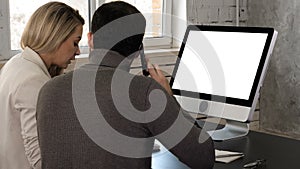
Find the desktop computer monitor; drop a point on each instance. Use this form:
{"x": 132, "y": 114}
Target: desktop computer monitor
{"x": 219, "y": 73}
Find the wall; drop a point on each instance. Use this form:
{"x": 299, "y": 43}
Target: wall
{"x": 280, "y": 97}
{"x": 179, "y": 22}
{"x": 4, "y": 27}
{"x": 216, "y": 12}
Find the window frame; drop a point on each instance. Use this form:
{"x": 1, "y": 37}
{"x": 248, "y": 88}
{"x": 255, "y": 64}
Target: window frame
{"x": 150, "y": 43}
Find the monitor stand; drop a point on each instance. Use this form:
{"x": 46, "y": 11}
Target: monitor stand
{"x": 232, "y": 129}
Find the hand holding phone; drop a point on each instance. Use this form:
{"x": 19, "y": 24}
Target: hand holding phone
{"x": 159, "y": 77}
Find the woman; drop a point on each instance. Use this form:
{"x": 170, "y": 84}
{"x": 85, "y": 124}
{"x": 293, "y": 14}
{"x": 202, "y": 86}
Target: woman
{"x": 49, "y": 41}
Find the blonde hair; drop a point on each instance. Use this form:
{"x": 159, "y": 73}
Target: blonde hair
{"x": 49, "y": 26}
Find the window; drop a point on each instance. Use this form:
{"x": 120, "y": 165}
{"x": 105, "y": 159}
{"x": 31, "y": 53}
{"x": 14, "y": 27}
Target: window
{"x": 158, "y": 17}
{"x": 20, "y": 12}
{"x": 157, "y": 13}
{"x": 152, "y": 10}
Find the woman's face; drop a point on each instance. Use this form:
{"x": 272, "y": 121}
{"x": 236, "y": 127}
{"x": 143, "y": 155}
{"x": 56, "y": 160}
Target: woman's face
{"x": 68, "y": 49}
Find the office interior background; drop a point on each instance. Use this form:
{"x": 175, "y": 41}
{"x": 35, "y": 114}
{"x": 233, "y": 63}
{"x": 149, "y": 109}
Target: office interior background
{"x": 279, "y": 105}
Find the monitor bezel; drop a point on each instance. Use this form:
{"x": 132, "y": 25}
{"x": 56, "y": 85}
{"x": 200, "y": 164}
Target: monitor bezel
{"x": 217, "y": 98}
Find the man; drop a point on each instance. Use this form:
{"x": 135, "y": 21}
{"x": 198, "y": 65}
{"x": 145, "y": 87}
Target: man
{"x": 101, "y": 116}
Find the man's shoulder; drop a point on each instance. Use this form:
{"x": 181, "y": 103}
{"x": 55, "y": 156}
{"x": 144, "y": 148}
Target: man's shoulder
{"x": 58, "y": 83}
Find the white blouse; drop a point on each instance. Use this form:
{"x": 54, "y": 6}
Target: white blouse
{"x": 21, "y": 79}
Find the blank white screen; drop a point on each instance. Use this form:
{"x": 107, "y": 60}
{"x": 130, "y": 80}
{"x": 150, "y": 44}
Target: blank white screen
{"x": 238, "y": 56}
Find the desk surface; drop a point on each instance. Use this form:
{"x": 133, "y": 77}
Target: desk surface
{"x": 279, "y": 152}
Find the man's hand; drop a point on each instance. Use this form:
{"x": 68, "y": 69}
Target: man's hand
{"x": 158, "y": 76}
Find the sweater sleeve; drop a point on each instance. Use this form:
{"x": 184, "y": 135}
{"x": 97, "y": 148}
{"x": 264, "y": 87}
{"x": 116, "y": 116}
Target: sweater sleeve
{"x": 188, "y": 143}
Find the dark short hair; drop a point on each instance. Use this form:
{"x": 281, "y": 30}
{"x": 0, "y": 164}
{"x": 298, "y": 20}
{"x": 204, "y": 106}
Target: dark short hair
{"x": 118, "y": 26}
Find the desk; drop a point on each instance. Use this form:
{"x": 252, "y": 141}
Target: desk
{"x": 280, "y": 153}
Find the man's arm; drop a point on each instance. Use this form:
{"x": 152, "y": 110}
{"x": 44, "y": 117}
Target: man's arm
{"x": 189, "y": 143}
{"x": 175, "y": 129}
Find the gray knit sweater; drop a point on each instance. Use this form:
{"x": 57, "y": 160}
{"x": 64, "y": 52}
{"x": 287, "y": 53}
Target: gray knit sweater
{"x": 101, "y": 116}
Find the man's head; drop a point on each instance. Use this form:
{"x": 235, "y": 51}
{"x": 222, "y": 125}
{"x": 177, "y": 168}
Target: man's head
{"x": 117, "y": 26}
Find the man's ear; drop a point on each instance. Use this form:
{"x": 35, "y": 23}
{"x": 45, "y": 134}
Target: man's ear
{"x": 90, "y": 40}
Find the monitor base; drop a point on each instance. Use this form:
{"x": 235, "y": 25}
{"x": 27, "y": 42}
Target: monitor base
{"x": 232, "y": 129}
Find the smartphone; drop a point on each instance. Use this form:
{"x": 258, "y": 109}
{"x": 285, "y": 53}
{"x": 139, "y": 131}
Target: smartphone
{"x": 144, "y": 62}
